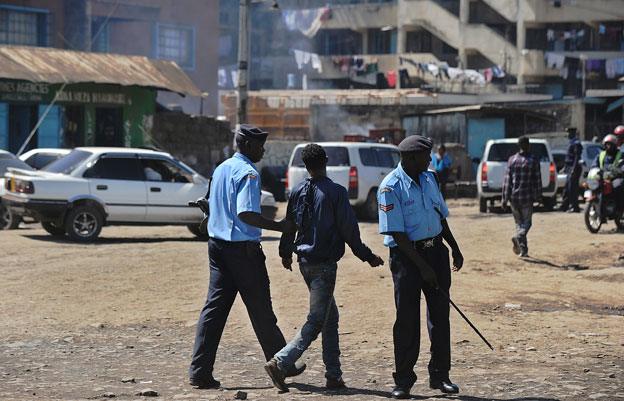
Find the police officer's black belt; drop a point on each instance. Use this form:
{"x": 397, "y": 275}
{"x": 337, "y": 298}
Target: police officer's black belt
{"x": 427, "y": 243}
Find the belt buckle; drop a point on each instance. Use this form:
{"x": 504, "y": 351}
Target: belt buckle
{"x": 428, "y": 244}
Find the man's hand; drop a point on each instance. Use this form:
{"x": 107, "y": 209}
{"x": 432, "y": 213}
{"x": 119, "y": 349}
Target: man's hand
{"x": 287, "y": 263}
{"x": 288, "y": 226}
{"x": 458, "y": 260}
{"x": 375, "y": 261}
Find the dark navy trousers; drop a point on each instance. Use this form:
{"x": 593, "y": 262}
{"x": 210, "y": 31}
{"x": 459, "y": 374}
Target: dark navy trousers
{"x": 408, "y": 285}
{"x": 235, "y": 267}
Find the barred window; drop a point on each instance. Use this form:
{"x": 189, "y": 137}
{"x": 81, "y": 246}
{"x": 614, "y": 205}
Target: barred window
{"x": 23, "y": 28}
{"x": 177, "y": 44}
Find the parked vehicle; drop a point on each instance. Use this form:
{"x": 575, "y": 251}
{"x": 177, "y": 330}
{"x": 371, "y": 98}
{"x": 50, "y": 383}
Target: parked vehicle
{"x": 92, "y": 187}
{"x": 358, "y": 166}
{"x": 589, "y": 154}
{"x": 601, "y": 205}
{"x": 559, "y": 156}
{"x": 8, "y": 220}
{"x": 493, "y": 165}
{"x": 39, "y": 158}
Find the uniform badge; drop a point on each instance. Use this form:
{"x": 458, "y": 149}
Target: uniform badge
{"x": 386, "y": 208}
{"x": 252, "y": 176}
{"x": 385, "y": 189}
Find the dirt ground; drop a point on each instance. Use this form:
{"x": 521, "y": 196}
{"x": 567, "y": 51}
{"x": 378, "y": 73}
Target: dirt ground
{"x": 117, "y": 317}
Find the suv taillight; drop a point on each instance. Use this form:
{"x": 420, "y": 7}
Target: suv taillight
{"x": 353, "y": 182}
{"x": 484, "y": 177}
{"x": 286, "y": 180}
{"x": 553, "y": 172}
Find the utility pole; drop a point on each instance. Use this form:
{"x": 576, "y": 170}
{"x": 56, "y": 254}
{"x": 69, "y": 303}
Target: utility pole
{"x": 243, "y": 59}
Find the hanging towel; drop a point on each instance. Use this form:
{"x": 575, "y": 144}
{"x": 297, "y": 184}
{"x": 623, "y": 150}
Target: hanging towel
{"x": 299, "y": 58}
{"x": 455, "y": 73}
{"x": 316, "y": 63}
{"x": 554, "y": 60}
{"x": 391, "y": 77}
{"x": 488, "y": 74}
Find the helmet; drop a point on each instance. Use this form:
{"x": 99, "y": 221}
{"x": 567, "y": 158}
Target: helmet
{"x": 610, "y": 138}
{"x": 619, "y": 130}
{"x": 593, "y": 178}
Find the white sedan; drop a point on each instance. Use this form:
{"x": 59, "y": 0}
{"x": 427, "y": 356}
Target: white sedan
{"x": 93, "y": 186}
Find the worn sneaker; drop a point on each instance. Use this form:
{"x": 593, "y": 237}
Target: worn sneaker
{"x": 276, "y": 375}
{"x": 335, "y": 384}
{"x": 516, "y": 245}
{"x": 209, "y": 383}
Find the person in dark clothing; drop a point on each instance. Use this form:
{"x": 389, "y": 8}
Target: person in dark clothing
{"x": 325, "y": 222}
{"x": 522, "y": 187}
{"x": 573, "y": 169}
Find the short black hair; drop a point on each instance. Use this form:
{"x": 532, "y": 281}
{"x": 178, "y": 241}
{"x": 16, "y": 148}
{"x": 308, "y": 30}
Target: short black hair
{"x": 314, "y": 156}
{"x": 523, "y": 139}
{"x": 442, "y": 147}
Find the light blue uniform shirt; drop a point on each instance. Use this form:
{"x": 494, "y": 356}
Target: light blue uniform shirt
{"x": 235, "y": 188}
{"x": 405, "y": 206}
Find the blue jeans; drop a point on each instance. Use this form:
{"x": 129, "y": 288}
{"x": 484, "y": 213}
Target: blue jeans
{"x": 323, "y": 318}
{"x": 523, "y": 217}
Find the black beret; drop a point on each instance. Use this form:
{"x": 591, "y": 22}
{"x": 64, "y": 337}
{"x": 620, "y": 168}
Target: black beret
{"x": 415, "y": 143}
{"x": 252, "y": 132}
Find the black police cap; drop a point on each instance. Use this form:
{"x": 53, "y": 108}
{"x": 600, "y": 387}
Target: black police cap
{"x": 252, "y": 132}
{"x": 416, "y": 143}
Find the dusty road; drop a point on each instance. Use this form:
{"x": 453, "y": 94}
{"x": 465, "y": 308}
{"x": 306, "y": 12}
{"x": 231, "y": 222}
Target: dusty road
{"x": 117, "y": 317}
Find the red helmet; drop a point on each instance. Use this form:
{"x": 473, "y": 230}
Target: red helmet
{"x": 619, "y": 130}
{"x": 610, "y": 138}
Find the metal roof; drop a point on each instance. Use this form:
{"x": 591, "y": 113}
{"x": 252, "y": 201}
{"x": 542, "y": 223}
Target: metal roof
{"x": 56, "y": 66}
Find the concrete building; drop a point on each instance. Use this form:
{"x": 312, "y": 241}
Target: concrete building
{"x": 564, "y": 48}
{"x": 184, "y": 31}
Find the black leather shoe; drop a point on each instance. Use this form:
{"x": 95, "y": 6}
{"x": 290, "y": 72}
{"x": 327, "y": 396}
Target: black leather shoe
{"x": 296, "y": 370}
{"x": 444, "y": 385}
{"x": 400, "y": 393}
{"x": 276, "y": 375}
{"x": 335, "y": 384}
{"x": 209, "y": 383}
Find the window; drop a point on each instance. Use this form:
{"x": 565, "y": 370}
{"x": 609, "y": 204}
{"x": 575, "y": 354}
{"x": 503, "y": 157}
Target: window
{"x": 176, "y": 44}
{"x": 29, "y": 28}
{"x": 115, "y": 168}
{"x": 338, "y": 41}
{"x": 381, "y": 42}
{"x": 337, "y": 155}
{"x": 501, "y": 152}
{"x": 67, "y": 164}
{"x": 164, "y": 171}
{"x": 40, "y": 160}
{"x": 100, "y": 35}
{"x": 379, "y": 157}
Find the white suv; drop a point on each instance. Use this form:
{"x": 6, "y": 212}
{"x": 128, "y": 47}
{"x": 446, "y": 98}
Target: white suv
{"x": 491, "y": 171}
{"x": 358, "y": 166}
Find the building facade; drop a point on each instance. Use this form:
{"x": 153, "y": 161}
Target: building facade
{"x": 184, "y": 31}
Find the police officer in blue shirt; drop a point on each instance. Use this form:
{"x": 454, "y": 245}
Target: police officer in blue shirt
{"x": 237, "y": 263}
{"x": 412, "y": 216}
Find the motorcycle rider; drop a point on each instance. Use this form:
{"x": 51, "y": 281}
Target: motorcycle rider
{"x": 619, "y": 133}
{"x": 611, "y": 162}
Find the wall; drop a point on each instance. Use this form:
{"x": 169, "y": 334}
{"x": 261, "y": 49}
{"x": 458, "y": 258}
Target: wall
{"x": 332, "y": 123}
{"x": 200, "y": 142}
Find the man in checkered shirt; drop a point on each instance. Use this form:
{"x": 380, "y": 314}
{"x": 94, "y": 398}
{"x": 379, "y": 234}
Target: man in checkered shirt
{"x": 521, "y": 188}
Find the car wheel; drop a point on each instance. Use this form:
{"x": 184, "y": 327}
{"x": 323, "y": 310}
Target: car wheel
{"x": 8, "y": 220}
{"x": 369, "y": 209}
{"x": 483, "y": 205}
{"x": 197, "y": 231}
{"x": 53, "y": 229}
{"x": 83, "y": 223}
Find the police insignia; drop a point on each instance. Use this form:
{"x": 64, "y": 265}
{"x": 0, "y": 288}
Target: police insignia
{"x": 386, "y": 208}
{"x": 252, "y": 176}
{"x": 385, "y": 189}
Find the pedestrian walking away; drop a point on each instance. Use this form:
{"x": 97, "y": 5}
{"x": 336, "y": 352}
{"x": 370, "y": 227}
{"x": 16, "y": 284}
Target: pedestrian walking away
{"x": 412, "y": 216}
{"x": 573, "y": 169}
{"x": 442, "y": 163}
{"x": 325, "y": 222}
{"x": 522, "y": 187}
{"x": 236, "y": 261}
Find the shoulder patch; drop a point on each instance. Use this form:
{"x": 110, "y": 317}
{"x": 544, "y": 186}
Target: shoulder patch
{"x": 385, "y": 189}
{"x": 252, "y": 176}
{"x": 386, "y": 208}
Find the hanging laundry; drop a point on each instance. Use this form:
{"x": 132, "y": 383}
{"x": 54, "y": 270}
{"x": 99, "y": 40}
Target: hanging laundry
{"x": 475, "y": 77}
{"x": 488, "y": 74}
{"x": 316, "y": 63}
{"x": 404, "y": 78}
{"x": 391, "y": 77}
{"x": 234, "y": 75}
{"x": 554, "y": 60}
{"x": 433, "y": 69}
{"x": 222, "y": 78}
{"x": 307, "y": 21}
{"x": 498, "y": 72}
{"x": 299, "y": 58}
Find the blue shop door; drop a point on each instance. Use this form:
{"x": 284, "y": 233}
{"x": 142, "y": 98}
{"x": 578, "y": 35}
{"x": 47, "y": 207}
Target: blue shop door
{"x": 480, "y": 130}
{"x": 50, "y": 128}
{"x": 4, "y": 126}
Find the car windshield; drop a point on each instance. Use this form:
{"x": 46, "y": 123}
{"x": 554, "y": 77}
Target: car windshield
{"x": 501, "y": 152}
{"x": 337, "y": 155}
{"x": 592, "y": 152}
{"x": 5, "y": 163}
{"x": 67, "y": 164}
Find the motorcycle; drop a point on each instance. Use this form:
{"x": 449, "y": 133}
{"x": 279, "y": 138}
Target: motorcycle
{"x": 600, "y": 200}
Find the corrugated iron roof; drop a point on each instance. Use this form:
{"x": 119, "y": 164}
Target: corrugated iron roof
{"x": 56, "y": 66}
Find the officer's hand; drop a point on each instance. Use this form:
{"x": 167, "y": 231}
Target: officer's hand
{"x": 458, "y": 260}
{"x": 288, "y": 226}
{"x": 429, "y": 276}
{"x": 287, "y": 263}
{"x": 375, "y": 261}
